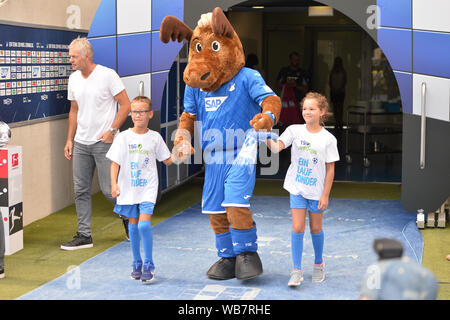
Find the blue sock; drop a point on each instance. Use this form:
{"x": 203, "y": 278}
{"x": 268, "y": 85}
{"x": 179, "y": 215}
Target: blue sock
{"x": 297, "y": 249}
{"x": 224, "y": 245}
{"x": 145, "y": 230}
{"x": 135, "y": 241}
{"x": 317, "y": 240}
{"x": 244, "y": 240}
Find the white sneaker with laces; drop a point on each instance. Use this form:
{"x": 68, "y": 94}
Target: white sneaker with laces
{"x": 318, "y": 272}
{"x": 296, "y": 278}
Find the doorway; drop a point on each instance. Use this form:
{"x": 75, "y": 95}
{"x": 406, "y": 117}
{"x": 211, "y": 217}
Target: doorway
{"x": 329, "y": 44}
{"x": 370, "y": 140}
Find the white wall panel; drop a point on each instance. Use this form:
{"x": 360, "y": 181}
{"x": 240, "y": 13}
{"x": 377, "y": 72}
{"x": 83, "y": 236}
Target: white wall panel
{"x": 134, "y": 16}
{"x": 431, "y": 15}
{"x": 437, "y": 97}
{"x": 132, "y": 85}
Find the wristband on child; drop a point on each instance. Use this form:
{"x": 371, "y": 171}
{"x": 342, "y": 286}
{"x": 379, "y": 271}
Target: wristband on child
{"x": 272, "y": 116}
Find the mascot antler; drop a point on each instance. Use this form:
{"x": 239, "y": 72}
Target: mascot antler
{"x": 220, "y": 24}
{"x": 174, "y": 29}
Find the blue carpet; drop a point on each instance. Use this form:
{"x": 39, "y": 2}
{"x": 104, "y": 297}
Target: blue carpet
{"x": 184, "y": 250}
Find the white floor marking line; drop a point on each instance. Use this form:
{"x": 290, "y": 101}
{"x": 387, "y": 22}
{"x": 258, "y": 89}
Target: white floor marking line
{"x": 213, "y": 291}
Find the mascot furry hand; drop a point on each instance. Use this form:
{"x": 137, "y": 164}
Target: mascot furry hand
{"x": 226, "y": 99}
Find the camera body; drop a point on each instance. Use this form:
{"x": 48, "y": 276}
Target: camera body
{"x": 387, "y": 248}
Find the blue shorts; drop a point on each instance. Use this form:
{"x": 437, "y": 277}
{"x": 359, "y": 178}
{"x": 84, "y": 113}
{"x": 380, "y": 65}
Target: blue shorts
{"x": 133, "y": 210}
{"x": 227, "y": 186}
{"x": 299, "y": 202}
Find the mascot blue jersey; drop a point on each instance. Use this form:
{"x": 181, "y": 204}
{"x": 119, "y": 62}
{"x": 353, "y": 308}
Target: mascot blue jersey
{"x": 223, "y": 115}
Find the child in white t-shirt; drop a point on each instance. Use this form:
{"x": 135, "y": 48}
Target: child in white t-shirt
{"x": 308, "y": 180}
{"x": 135, "y": 185}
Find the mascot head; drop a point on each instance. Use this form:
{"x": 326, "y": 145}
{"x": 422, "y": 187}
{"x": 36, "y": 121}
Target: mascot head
{"x": 215, "y": 51}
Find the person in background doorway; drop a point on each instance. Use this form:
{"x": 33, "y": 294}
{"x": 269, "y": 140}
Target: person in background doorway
{"x": 337, "y": 82}
{"x": 252, "y": 61}
{"x": 94, "y": 91}
{"x": 296, "y": 80}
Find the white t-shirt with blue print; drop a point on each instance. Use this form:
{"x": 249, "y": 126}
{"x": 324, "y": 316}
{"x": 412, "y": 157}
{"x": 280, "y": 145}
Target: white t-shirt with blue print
{"x": 309, "y": 154}
{"x": 137, "y": 154}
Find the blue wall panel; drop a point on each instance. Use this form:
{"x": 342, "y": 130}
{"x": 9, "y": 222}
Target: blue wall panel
{"x": 158, "y": 84}
{"x": 163, "y": 54}
{"x": 397, "y": 46}
{"x": 172, "y": 105}
{"x": 163, "y": 181}
{"x": 163, "y": 110}
{"x": 404, "y": 81}
{"x": 105, "y": 50}
{"x": 182, "y": 88}
{"x": 395, "y": 13}
{"x": 104, "y": 22}
{"x": 162, "y": 8}
{"x": 432, "y": 53}
{"x": 134, "y": 54}
{"x": 139, "y": 53}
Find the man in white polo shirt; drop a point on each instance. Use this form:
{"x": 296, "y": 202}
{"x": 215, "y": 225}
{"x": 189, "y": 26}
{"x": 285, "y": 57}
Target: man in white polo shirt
{"x": 94, "y": 91}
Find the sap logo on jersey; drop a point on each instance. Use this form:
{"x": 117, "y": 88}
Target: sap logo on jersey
{"x": 213, "y": 103}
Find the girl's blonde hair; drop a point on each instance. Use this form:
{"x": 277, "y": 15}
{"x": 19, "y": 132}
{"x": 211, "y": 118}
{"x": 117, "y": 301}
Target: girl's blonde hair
{"x": 322, "y": 102}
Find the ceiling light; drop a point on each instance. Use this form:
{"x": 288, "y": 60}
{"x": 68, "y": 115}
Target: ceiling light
{"x": 320, "y": 11}
{"x": 258, "y": 7}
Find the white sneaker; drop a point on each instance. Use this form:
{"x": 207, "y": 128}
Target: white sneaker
{"x": 296, "y": 278}
{"x": 318, "y": 273}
